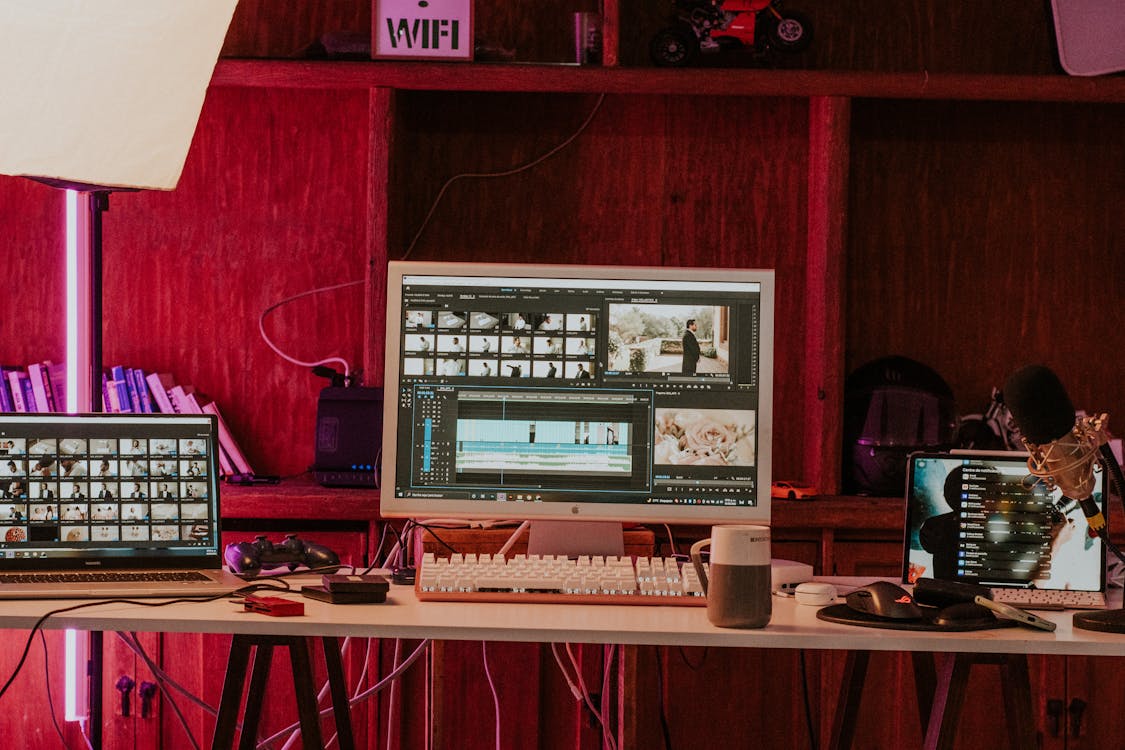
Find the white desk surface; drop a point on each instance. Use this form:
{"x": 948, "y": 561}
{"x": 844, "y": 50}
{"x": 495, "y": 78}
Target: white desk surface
{"x": 403, "y": 616}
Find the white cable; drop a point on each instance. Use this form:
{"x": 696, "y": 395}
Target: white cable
{"x": 505, "y": 173}
{"x": 377, "y": 687}
{"x": 287, "y": 300}
{"x": 588, "y": 699}
{"x": 391, "y": 696}
{"x": 514, "y": 537}
{"x": 608, "y": 652}
{"x": 134, "y": 643}
{"x": 492, "y": 687}
{"x": 566, "y": 675}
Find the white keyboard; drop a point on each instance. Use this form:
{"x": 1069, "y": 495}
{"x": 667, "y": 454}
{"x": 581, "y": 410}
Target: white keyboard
{"x": 1050, "y": 599}
{"x": 547, "y": 578}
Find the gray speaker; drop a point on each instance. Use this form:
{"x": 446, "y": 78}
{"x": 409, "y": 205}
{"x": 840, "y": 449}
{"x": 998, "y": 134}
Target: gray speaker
{"x": 349, "y": 436}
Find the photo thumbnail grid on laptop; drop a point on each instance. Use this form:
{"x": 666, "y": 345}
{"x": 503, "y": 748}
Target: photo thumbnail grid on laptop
{"x": 983, "y": 518}
{"x": 113, "y": 487}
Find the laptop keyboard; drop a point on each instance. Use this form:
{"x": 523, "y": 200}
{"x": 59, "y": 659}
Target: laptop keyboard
{"x": 180, "y": 576}
{"x": 1050, "y": 599}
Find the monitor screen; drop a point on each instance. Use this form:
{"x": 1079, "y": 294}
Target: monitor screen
{"x": 578, "y": 392}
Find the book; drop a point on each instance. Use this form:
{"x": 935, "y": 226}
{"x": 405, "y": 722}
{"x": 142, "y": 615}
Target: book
{"x": 159, "y": 383}
{"x": 16, "y": 381}
{"x": 126, "y": 396}
{"x": 142, "y": 391}
{"x": 5, "y": 392}
{"x": 178, "y": 394}
{"x": 56, "y": 375}
{"x": 40, "y": 387}
{"x": 226, "y": 440}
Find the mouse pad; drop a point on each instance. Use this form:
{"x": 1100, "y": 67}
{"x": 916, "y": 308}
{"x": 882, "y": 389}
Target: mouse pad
{"x": 845, "y": 615}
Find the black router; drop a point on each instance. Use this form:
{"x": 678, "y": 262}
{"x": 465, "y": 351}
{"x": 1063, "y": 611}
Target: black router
{"x": 349, "y": 434}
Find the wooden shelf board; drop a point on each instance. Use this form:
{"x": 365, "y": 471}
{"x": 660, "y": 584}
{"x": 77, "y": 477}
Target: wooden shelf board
{"x": 299, "y": 498}
{"x": 438, "y": 76}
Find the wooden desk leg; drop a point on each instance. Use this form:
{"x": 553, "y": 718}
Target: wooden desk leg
{"x": 306, "y": 698}
{"x": 1016, "y": 687}
{"x": 259, "y": 679}
{"x": 925, "y": 682}
{"x": 341, "y": 708}
{"x": 231, "y": 698}
{"x": 847, "y": 703}
{"x": 953, "y": 677}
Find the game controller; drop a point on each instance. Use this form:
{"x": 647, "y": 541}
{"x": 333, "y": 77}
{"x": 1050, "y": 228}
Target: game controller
{"x": 250, "y": 558}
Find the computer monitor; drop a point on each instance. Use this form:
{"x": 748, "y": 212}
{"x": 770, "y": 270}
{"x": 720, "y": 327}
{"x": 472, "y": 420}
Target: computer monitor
{"x": 596, "y": 393}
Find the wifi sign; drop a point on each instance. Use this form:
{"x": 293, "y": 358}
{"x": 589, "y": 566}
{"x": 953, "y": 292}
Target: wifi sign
{"x": 422, "y": 29}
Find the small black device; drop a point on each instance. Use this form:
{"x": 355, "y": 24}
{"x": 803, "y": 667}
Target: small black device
{"x": 941, "y": 593}
{"x": 349, "y": 436}
{"x": 349, "y": 589}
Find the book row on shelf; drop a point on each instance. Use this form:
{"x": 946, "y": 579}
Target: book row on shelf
{"x": 41, "y": 387}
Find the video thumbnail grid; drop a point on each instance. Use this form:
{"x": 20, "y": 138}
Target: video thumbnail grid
{"x": 104, "y": 490}
{"x": 499, "y": 344}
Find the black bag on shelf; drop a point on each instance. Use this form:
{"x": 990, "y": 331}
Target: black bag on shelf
{"x": 893, "y": 406}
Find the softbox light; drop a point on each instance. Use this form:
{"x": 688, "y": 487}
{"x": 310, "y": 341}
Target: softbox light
{"x": 105, "y": 93}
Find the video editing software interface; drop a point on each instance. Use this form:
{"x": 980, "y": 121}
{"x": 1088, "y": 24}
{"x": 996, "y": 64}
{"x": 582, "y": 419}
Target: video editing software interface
{"x": 102, "y": 486}
{"x": 544, "y": 390}
{"x": 989, "y": 520}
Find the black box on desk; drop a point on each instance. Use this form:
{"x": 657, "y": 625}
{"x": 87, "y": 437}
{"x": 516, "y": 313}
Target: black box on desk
{"x": 349, "y": 436}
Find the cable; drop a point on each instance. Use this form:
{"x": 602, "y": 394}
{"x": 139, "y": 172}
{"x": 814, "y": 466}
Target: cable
{"x": 136, "y": 602}
{"x": 287, "y": 300}
{"x": 688, "y": 663}
{"x": 135, "y": 644}
{"x": 665, "y": 730}
{"x": 671, "y": 540}
{"x": 808, "y": 701}
{"x": 566, "y": 675}
{"x": 377, "y": 687}
{"x": 391, "y": 694}
{"x": 608, "y": 653}
{"x": 610, "y": 743}
{"x": 505, "y": 173}
{"x": 514, "y": 537}
{"x": 492, "y": 687}
{"x": 162, "y": 676}
{"x": 47, "y": 681}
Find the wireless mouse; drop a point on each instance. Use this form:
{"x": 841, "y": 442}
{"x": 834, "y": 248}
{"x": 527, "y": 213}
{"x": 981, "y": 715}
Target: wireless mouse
{"x": 884, "y": 599}
{"x": 965, "y": 614}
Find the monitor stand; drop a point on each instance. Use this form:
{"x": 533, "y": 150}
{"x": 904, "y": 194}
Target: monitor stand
{"x": 574, "y": 538}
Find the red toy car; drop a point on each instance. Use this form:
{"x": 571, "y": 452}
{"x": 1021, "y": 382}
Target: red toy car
{"x": 707, "y": 26}
{"x": 784, "y": 490}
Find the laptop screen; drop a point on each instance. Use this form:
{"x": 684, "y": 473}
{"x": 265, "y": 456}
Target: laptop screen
{"x": 982, "y": 517}
{"x": 108, "y": 490}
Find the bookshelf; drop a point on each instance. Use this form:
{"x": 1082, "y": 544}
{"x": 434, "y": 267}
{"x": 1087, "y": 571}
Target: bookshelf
{"x": 924, "y": 180}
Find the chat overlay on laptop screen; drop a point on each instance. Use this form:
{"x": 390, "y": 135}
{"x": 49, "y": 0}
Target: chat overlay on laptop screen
{"x": 530, "y": 392}
{"x": 117, "y": 488}
{"x": 986, "y": 519}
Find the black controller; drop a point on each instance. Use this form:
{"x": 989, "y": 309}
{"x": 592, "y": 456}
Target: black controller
{"x": 250, "y": 558}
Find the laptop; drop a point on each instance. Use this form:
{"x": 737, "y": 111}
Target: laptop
{"x": 981, "y": 517}
{"x": 110, "y": 505}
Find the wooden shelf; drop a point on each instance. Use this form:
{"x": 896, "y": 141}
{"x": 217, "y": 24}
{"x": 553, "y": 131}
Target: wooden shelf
{"x": 698, "y": 82}
{"x": 299, "y": 498}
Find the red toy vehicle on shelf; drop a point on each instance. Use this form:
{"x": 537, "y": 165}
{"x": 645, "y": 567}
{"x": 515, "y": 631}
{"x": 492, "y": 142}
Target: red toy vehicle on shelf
{"x": 708, "y": 26}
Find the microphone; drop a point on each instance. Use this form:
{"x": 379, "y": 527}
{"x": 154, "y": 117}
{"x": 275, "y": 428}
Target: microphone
{"x": 1062, "y": 450}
